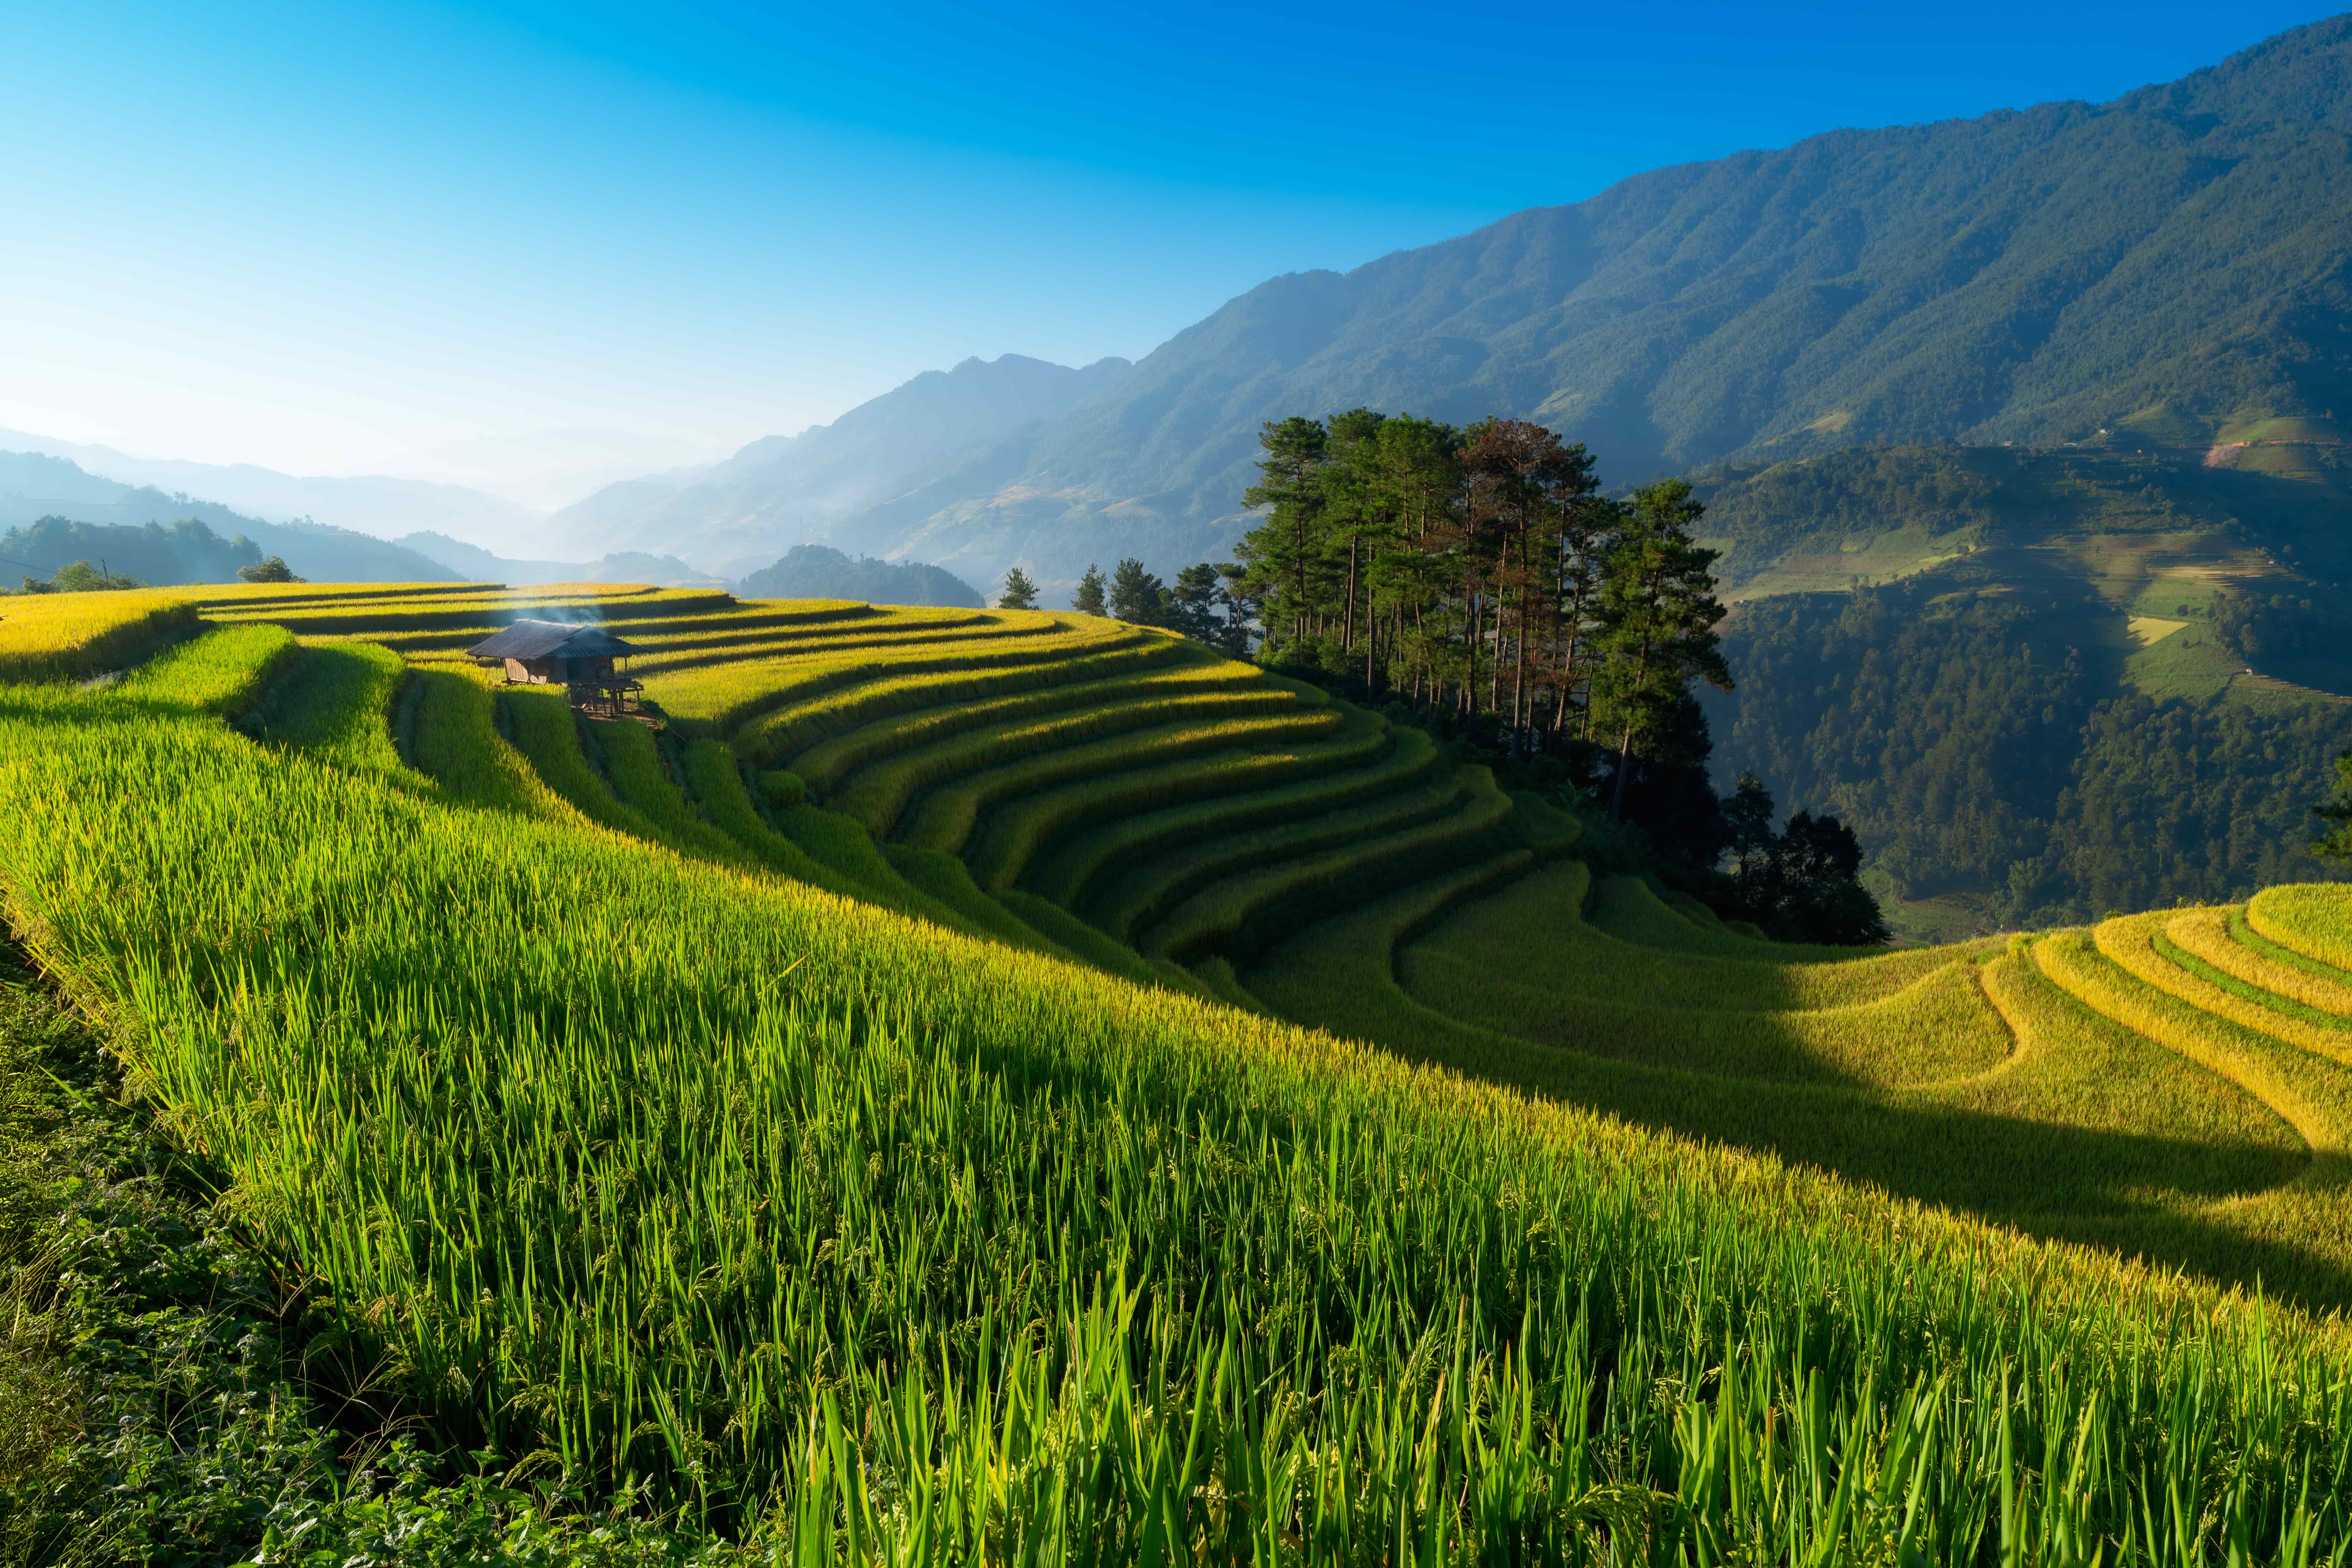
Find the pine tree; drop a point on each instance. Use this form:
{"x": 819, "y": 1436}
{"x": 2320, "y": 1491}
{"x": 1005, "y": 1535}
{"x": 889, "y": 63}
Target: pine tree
{"x": 1020, "y": 593}
{"x": 1659, "y": 614}
{"x": 1089, "y": 599}
{"x": 1137, "y": 596}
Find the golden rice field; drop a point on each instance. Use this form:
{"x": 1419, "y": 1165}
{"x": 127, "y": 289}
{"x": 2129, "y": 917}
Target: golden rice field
{"x": 978, "y": 1084}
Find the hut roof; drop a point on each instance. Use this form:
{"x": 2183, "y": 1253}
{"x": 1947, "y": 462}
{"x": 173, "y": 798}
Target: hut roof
{"x": 552, "y": 639}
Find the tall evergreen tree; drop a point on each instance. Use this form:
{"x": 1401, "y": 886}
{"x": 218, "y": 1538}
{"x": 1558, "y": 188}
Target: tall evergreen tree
{"x": 1137, "y": 596}
{"x": 1089, "y": 599}
{"x": 1020, "y": 593}
{"x": 1659, "y": 614}
{"x": 1282, "y": 554}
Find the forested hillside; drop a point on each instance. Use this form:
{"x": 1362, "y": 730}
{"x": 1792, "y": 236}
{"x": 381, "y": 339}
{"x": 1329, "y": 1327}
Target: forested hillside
{"x": 2169, "y": 263}
{"x": 55, "y": 514}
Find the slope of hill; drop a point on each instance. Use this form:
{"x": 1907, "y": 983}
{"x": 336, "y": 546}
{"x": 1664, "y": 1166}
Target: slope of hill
{"x": 371, "y": 503}
{"x": 2044, "y": 684}
{"x": 783, "y": 491}
{"x": 2169, "y": 262}
{"x": 476, "y": 565}
{"x": 623, "y": 1085}
{"x": 814, "y": 572}
{"x": 55, "y": 514}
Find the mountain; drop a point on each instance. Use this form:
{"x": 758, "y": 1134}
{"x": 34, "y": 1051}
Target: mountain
{"x": 477, "y": 565}
{"x": 127, "y": 525}
{"x": 368, "y": 504}
{"x": 817, "y": 572}
{"x": 2170, "y": 263}
{"x": 782, "y": 490}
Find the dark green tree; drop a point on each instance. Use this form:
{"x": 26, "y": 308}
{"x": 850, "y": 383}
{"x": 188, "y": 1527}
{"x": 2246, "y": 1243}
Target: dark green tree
{"x": 1813, "y": 875}
{"x": 1089, "y": 599}
{"x": 1283, "y": 554}
{"x": 1658, "y": 614}
{"x": 2336, "y": 844}
{"x": 269, "y": 569}
{"x": 1020, "y": 593}
{"x": 1747, "y": 813}
{"x": 1137, "y": 596}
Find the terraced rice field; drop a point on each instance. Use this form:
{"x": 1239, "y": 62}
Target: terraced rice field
{"x": 2171, "y": 1085}
{"x": 871, "y": 1107}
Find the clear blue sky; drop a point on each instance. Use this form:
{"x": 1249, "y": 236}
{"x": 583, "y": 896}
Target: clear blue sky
{"x": 316, "y": 236}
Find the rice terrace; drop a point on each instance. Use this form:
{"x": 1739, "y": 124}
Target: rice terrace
{"x": 1014, "y": 1084}
{"x": 1108, "y": 786}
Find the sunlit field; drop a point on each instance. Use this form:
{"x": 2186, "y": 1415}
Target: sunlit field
{"x": 972, "y": 1085}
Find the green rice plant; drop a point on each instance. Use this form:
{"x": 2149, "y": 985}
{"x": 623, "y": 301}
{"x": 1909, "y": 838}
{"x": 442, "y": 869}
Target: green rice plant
{"x": 1059, "y": 838}
{"x": 1550, "y": 830}
{"x": 717, "y": 780}
{"x": 1242, "y": 914}
{"x": 2312, "y": 1095}
{"x": 454, "y": 740}
{"x": 777, "y": 1245}
{"x": 1534, "y": 931}
{"x": 943, "y": 880}
{"x": 2190, "y": 935}
{"x": 2246, "y": 936}
{"x": 2136, "y": 942}
{"x": 956, "y": 778}
{"x": 1214, "y": 974}
{"x": 884, "y": 637}
{"x": 824, "y": 765}
{"x": 2088, "y": 1132}
{"x": 545, "y": 731}
{"x": 222, "y": 673}
{"x": 838, "y": 699}
{"x": 742, "y": 695}
{"x": 58, "y": 636}
{"x": 335, "y": 701}
{"x": 639, "y": 776}
{"x": 1074, "y": 936}
{"x": 1146, "y": 894}
{"x": 1215, "y": 795}
{"x": 1937, "y": 1028}
{"x": 2312, "y": 919}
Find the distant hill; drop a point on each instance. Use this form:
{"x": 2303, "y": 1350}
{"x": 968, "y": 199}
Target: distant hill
{"x": 817, "y": 571}
{"x": 112, "y": 521}
{"x": 2170, "y": 262}
{"x": 783, "y": 489}
{"x": 471, "y": 561}
{"x": 369, "y": 503}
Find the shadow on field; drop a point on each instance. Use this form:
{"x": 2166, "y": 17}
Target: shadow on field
{"x": 2136, "y": 1195}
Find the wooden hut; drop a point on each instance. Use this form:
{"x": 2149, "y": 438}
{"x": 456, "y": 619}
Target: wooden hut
{"x": 586, "y": 662}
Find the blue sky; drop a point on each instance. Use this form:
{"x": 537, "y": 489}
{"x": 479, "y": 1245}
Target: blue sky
{"x": 336, "y": 238}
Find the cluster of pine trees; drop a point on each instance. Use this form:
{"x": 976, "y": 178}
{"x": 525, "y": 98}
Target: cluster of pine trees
{"x": 1480, "y": 569}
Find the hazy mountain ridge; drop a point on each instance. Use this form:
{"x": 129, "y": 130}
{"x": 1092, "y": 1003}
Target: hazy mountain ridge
{"x": 2174, "y": 256}
{"x": 782, "y": 490}
{"x": 34, "y": 484}
{"x": 367, "y": 503}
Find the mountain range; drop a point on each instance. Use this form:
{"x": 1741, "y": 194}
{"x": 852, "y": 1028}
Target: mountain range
{"x": 36, "y": 485}
{"x": 372, "y": 503}
{"x": 782, "y": 491}
{"x": 2169, "y": 264}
